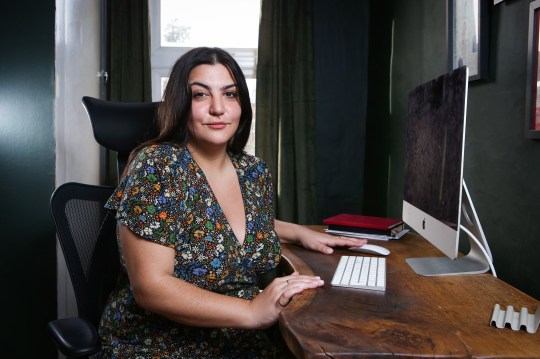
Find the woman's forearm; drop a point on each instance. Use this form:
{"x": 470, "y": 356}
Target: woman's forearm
{"x": 287, "y": 232}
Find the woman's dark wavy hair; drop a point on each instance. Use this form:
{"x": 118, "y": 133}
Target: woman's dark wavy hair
{"x": 174, "y": 109}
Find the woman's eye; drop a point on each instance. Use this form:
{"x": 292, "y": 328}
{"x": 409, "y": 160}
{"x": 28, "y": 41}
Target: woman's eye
{"x": 198, "y": 94}
{"x": 231, "y": 94}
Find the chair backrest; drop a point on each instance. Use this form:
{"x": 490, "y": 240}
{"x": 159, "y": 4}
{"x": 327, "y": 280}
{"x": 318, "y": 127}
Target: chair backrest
{"x": 87, "y": 234}
{"x": 121, "y": 126}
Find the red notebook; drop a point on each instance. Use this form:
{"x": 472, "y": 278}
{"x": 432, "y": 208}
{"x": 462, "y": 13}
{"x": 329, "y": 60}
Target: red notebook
{"x": 364, "y": 224}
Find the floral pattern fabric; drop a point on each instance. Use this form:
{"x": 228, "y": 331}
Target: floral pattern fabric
{"x": 166, "y": 198}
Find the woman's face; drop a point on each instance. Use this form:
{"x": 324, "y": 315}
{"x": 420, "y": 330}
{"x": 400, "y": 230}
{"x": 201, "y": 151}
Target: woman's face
{"x": 215, "y": 106}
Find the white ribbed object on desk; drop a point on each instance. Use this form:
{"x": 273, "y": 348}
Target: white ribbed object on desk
{"x": 516, "y": 320}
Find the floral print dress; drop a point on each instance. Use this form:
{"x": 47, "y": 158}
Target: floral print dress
{"x": 166, "y": 198}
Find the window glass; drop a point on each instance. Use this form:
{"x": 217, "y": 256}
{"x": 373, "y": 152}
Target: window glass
{"x": 222, "y": 23}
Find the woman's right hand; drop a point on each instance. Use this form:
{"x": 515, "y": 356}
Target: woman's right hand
{"x": 277, "y": 295}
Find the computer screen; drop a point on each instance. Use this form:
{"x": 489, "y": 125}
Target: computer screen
{"x": 433, "y": 191}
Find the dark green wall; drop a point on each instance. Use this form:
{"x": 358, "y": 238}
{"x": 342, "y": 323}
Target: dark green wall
{"x": 502, "y": 168}
{"x": 27, "y": 244}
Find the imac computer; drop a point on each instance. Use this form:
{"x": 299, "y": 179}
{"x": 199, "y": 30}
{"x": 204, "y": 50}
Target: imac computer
{"x": 436, "y": 202}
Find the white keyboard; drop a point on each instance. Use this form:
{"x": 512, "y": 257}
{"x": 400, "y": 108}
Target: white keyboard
{"x": 361, "y": 272}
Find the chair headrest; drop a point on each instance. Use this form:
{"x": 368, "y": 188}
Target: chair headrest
{"x": 121, "y": 126}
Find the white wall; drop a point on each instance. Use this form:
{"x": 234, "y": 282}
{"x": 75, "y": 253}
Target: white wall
{"x": 77, "y": 66}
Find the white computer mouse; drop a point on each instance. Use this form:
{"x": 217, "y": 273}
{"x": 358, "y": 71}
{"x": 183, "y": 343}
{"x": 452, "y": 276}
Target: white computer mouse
{"x": 371, "y": 249}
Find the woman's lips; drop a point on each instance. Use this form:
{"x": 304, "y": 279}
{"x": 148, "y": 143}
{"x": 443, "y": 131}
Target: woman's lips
{"x": 217, "y": 125}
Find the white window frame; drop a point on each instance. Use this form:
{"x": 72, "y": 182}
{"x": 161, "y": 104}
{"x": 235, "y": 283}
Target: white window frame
{"x": 163, "y": 58}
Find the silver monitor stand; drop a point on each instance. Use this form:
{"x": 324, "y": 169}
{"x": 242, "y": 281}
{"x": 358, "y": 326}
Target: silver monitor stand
{"x": 478, "y": 260}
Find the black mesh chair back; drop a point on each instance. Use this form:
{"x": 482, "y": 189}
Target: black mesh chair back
{"x": 87, "y": 234}
{"x": 87, "y": 231}
{"x": 121, "y": 126}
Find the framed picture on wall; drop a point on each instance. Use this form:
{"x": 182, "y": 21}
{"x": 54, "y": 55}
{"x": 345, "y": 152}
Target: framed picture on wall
{"x": 468, "y": 26}
{"x": 532, "y": 95}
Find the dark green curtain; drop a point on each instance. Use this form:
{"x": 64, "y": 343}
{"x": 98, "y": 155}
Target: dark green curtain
{"x": 285, "y": 124}
{"x": 129, "y": 61}
{"x": 129, "y": 51}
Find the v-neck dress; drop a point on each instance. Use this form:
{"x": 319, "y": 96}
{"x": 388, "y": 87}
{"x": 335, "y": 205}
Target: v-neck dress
{"x": 166, "y": 199}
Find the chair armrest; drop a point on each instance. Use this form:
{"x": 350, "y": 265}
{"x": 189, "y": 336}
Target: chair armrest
{"x": 74, "y": 337}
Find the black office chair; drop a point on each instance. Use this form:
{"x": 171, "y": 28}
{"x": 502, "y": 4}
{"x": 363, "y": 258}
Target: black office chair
{"x": 87, "y": 234}
{"x": 121, "y": 126}
{"x": 87, "y": 231}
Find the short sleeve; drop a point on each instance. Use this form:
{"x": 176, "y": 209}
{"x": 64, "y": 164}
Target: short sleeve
{"x": 148, "y": 199}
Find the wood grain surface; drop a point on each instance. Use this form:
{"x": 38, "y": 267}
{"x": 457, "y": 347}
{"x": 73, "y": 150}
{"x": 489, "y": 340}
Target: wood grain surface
{"x": 430, "y": 317}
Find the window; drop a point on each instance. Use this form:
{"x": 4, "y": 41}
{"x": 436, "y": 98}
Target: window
{"x": 180, "y": 25}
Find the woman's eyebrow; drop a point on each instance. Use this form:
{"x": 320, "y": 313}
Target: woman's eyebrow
{"x": 228, "y": 87}
{"x": 197, "y": 83}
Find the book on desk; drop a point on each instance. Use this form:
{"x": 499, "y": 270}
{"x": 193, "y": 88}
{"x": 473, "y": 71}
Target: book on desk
{"x": 369, "y": 227}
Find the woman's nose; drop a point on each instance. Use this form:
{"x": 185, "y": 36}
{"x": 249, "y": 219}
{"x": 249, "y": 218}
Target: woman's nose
{"x": 216, "y": 107}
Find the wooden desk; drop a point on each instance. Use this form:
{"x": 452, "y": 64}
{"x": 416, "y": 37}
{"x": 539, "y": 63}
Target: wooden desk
{"x": 416, "y": 316}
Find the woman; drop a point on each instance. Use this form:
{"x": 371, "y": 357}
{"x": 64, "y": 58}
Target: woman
{"x": 196, "y": 228}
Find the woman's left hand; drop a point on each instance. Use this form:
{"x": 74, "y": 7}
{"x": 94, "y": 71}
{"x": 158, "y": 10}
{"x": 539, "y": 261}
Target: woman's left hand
{"x": 313, "y": 240}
